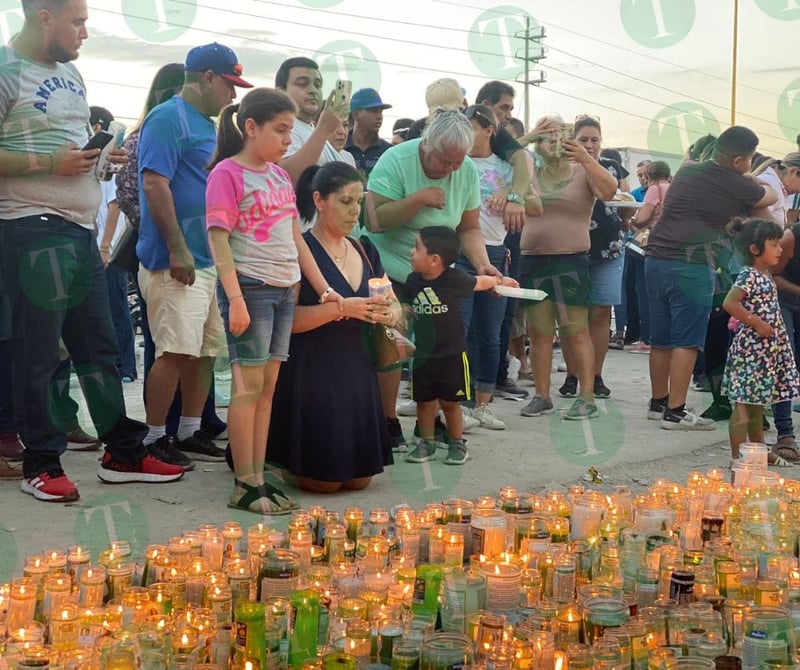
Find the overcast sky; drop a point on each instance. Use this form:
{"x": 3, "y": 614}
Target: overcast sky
{"x": 656, "y": 72}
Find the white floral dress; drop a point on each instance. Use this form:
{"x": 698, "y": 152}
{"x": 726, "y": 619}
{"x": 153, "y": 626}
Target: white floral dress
{"x": 760, "y": 370}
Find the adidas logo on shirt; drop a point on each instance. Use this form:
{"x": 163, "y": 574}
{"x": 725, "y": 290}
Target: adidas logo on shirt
{"x": 427, "y": 302}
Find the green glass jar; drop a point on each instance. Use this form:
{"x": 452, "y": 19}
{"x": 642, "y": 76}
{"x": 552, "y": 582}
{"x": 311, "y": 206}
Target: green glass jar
{"x": 305, "y": 619}
{"x": 602, "y": 613}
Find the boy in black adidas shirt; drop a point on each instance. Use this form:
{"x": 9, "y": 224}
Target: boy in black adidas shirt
{"x": 432, "y": 294}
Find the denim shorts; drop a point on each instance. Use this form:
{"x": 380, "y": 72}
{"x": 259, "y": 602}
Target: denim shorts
{"x": 271, "y": 310}
{"x": 681, "y": 295}
{"x": 564, "y": 277}
{"x": 606, "y": 278}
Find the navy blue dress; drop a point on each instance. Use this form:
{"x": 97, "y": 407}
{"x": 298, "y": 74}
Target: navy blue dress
{"x": 327, "y": 418}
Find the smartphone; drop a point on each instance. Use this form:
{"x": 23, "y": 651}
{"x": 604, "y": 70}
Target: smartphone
{"x": 98, "y": 140}
{"x": 344, "y": 89}
{"x": 565, "y": 131}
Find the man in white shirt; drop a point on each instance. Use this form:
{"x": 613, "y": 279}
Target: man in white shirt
{"x": 301, "y": 80}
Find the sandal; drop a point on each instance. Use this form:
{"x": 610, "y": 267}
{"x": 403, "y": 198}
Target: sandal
{"x": 777, "y": 460}
{"x": 252, "y": 500}
{"x": 272, "y": 493}
{"x": 788, "y": 450}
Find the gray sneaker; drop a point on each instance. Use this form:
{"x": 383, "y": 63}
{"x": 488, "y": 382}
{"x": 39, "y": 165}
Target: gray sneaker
{"x": 537, "y": 407}
{"x": 456, "y": 453}
{"x": 424, "y": 451}
{"x": 580, "y": 410}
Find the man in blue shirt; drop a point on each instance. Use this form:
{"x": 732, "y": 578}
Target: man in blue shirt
{"x": 366, "y": 108}
{"x": 177, "y": 275}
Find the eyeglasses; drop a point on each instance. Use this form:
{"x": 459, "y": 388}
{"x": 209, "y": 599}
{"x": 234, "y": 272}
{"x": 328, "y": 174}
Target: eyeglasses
{"x": 472, "y": 112}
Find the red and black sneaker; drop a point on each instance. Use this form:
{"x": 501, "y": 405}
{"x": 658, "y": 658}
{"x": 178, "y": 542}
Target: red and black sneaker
{"x": 148, "y": 470}
{"x": 51, "y": 486}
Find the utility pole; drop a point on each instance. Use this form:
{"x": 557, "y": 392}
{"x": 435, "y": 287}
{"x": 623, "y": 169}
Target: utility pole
{"x": 734, "y": 60}
{"x": 533, "y": 52}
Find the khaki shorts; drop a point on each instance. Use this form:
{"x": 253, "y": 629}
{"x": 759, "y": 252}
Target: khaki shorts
{"x": 183, "y": 319}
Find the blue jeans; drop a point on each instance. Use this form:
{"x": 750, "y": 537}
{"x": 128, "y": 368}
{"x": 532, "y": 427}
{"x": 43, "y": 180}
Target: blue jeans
{"x": 117, "y": 285}
{"x": 512, "y": 245}
{"x": 634, "y": 266}
{"x": 782, "y": 411}
{"x": 483, "y": 314}
{"x": 55, "y": 283}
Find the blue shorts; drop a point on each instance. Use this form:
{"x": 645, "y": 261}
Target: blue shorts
{"x": 271, "y": 310}
{"x": 606, "y": 278}
{"x": 681, "y": 295}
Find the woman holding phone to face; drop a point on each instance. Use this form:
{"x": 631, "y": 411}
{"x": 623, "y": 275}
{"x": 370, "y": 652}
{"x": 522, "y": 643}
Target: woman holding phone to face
{"x": 555, "y": 259}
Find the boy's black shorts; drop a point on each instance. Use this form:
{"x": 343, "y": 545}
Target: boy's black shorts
{"x": 445, "y": 378}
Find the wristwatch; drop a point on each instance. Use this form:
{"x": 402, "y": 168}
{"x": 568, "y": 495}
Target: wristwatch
{"x": 513, "y": 197}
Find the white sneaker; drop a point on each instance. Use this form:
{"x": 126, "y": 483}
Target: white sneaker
{"x": 487, "y": 419}
{"x": 407, "y": 408}
{"x": 561, "y": 366}
{"x": 688, "y": 421}
{"x": 470, "y": 421}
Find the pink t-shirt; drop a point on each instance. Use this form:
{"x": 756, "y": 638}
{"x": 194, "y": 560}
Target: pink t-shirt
{"x": 655, "y": 196}
{"x": 258, "y": 208}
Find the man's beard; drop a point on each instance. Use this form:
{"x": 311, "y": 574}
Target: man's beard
{"x": 59, "y": 54}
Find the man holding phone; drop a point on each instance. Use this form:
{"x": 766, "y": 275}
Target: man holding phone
{"x": 301, "y": 80}
{"x": 50, "y": 265}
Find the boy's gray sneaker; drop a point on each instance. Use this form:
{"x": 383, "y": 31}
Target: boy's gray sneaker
{"x": 580, "y": 410}
{"x": 537, "y": 407}
{"x": 456, "y": 453}
{"x": 424, "y": 451}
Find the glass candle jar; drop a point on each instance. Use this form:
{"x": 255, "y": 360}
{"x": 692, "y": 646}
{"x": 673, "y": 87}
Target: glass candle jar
{"x": 445, "y": 651}
{"x": 278, "y": 575}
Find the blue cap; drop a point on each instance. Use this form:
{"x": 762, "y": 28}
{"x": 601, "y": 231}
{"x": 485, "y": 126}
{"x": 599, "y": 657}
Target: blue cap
{"x": 220, "y": 60}
{"x": 367, "y": 98}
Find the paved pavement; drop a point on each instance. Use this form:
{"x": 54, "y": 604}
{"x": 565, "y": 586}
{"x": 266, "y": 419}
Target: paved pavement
{"x": 531, "y": 454}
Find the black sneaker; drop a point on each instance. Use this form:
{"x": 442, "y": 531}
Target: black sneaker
{"x": 569, "y": 388}
{"x": 600, "y": 389}
{"x": 399, "y": 444}
{"x": 655, "y": 411}
{"x": 509, "y": 389}
{"x": 202, "y": 448}
{"x": 718, "y": 411}
{"x": 439, "y": 431}
{"x": 165, "y": 449}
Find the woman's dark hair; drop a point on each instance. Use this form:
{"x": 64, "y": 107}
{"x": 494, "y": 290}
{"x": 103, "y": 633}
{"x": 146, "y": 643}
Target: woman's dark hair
{"x": 261, "y": 105}
{"x": 323, "y": 179}
{"x": 483, "y": 115}
{"x": 586, "y": 121}
{"x": 442, "y": 241}
{"x": 702, "y": 148}
{"x": 658, "y": 171}
{"x": 754, "y": 232}
{"x": 168, "y": 81}
{"x": 613, "y": 154}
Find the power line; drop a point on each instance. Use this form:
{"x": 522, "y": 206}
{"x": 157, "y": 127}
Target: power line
{"x": 486, "y": 53}
{"x": 679, "y": 66}
{"x": 375, "y": 60}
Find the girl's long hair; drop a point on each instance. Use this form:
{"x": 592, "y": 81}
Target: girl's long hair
{"x": 261, "y": 105}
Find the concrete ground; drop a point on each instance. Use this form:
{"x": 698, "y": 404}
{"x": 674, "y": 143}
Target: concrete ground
{"x": 532, "y": 454}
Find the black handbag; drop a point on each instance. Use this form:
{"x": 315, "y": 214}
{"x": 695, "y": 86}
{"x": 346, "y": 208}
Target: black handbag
{"x": 124, "y": 255}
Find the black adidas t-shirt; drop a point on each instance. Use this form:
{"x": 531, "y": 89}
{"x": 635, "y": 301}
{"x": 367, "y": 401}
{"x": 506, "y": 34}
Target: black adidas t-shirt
{"x": 436, "y": 304}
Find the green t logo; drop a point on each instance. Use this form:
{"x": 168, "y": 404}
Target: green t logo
{"x": 11, "y": 19}
{"x": 496, "y": 40}
{"x": 346, "y": 59}
{"x": 159, "y": 20}
{"x": 789, "y": 110}
{"x": 675, "y": 128}
{"x": 657, "y": 24}
{"x": 107, "y": 518}
{"x": 783, "y": 10}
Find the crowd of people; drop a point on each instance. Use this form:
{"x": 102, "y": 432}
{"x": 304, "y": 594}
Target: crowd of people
{"x": 289, "y": 238}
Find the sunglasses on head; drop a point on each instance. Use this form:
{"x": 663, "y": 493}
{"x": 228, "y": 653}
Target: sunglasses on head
{"x": 475, "y": 113}
{"x": 586, "y": 117}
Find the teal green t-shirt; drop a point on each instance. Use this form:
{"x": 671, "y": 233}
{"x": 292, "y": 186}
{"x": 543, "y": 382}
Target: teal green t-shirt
{"x": 399, "y": 174}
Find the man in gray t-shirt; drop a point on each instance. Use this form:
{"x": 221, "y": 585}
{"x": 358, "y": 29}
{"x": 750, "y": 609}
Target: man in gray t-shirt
{"x": 49, "y": 263}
